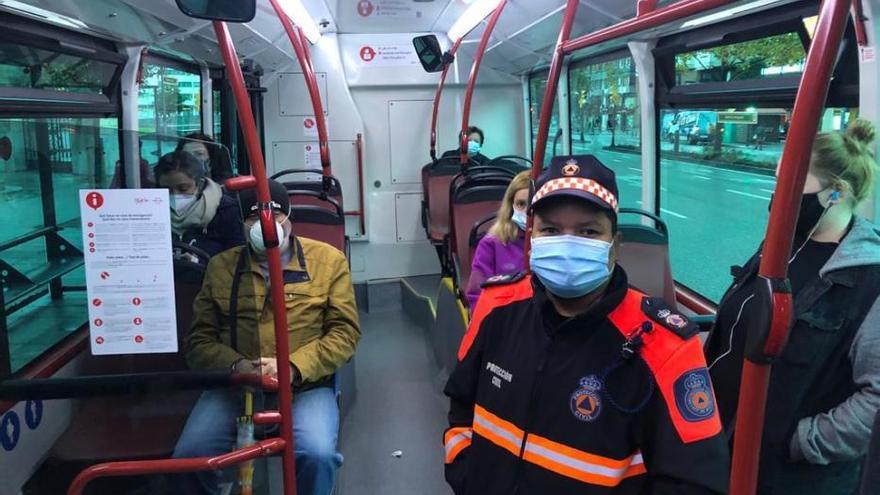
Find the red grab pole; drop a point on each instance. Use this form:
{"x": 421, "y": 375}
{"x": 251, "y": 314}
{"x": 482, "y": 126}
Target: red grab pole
{"x": 472, "y": 80}
{"x": 301, "y": 48}
{"x": 571, "y": 7}
{"x": 270, "y": 238}
{"x": 793, "y": 169}
{"x": 437, "y": 101}
{"x": 263, "y": 448}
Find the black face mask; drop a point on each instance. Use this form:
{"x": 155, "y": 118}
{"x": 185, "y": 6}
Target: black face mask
{"x": 809, "y": 214}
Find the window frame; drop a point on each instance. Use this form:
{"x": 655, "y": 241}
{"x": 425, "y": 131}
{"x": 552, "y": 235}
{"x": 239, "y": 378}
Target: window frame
{"x": 17, "y": 102}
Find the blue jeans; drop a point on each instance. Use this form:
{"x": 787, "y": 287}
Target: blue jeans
{"x": 210, "y": 430}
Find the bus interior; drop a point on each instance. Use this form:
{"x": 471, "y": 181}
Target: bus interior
{"x": 690, "y": 102}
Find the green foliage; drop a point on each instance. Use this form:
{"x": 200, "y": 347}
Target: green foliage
{"x": 744, "y": 60}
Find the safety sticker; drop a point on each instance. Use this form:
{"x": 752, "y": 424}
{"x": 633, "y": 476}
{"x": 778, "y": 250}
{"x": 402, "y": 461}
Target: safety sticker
{"x": 33, "y": 413}
{"x": 10, "y": 431}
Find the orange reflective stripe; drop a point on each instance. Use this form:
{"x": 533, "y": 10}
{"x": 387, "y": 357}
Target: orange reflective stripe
{"x": 456, "y": 440}
{"x": 582, "y": 466}
{"x": 498, "y": 431}
{"x": 556, "y": 457}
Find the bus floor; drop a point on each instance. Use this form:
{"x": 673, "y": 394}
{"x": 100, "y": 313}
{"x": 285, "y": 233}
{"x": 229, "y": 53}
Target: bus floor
{"x": 392, "y": 436}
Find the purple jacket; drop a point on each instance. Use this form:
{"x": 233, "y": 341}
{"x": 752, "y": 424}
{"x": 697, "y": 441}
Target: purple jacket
{"x": 492, "y": 257}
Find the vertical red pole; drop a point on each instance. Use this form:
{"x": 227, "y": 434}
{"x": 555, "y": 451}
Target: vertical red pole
{"x": 270, "y": 237}
{"x": 808, "y": 108}
{"x": 859, "y": 23}
{"x": 472, "y": 80}
{"x": 360, "y": 166}
{"x": 437, "y": 95}
{"x": 550, "y": 91}
{"x": 301, "y": 48}
{"x": 571, "y": 7}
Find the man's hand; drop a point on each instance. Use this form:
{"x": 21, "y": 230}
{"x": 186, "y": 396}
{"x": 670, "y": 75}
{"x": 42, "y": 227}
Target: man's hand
{"x": 269, "y": 367}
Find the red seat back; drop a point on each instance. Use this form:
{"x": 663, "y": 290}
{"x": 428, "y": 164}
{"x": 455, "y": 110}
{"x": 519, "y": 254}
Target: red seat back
{"x": 436, "y": 177}
{"x": 321, "y": 224}
{"x": 470, "y": 203}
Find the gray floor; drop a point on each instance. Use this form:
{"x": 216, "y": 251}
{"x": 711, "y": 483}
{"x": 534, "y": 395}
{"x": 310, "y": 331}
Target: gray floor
{"x": 399, "y": 408}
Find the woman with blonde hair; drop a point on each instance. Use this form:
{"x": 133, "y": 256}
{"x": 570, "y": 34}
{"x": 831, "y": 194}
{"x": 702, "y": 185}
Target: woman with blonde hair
{"x": 500, "y": 252}
{"x": 825, "y": 387}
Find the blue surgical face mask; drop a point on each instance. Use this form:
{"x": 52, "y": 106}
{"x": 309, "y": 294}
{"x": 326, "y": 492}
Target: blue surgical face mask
{"x": 474, "y": 147}
{"x": 519, "y": 218}
{"x": 570, "y": 266}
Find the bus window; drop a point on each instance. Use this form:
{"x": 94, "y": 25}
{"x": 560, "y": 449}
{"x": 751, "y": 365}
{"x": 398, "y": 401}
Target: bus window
{"x": 773, "y": 56}
{"x": 537, "y": 85}
{"x": 49, "y": 161}
{"x": 605, "y": 120}
{"x": 168, "y": 105}
{"x": 728, "y": 154}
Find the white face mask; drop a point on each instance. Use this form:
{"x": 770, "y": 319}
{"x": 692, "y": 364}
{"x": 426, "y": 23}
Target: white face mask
{"x": 255, "y": 236}
{"x": 181, "y": 203}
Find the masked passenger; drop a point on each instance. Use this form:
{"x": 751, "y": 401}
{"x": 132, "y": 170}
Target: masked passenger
{"x": 475, "y": 140}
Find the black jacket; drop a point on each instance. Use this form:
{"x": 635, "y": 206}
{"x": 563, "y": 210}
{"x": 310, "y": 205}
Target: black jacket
{"x": 543, "y": 405}
{"x": 823, "y": 389}
{"x": 225, "y": 230}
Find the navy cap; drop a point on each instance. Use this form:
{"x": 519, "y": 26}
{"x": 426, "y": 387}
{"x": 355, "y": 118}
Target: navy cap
{"x": 277, "y": 192}
{"x": 580, "y": 176}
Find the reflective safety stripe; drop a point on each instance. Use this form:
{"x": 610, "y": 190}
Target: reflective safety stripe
{"x": 498, "y": 431}
{"x": 456, "y": 440}
{"x": 554, "y": 456}
{"x": 582, "y": 466}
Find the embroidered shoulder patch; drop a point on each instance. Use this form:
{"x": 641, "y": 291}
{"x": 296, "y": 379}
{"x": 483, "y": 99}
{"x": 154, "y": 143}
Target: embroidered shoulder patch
{"x": 584, "y": 402}
{"x": 657, "y": 309}
{"x": 503, "y": 279}
{"x": 693, "y": 395}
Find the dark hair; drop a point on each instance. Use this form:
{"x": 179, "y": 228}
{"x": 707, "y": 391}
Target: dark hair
{"x": 472, "y": 129}
{"x": 221, "y": 165}
{"x": 179, "y": 161}
{"x": 556, "y": 201}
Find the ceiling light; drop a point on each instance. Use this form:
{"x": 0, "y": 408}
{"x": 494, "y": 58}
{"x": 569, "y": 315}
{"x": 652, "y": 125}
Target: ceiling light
{"x": 476, "y": 12}
{"x": 300, "y": 16}
{"x": 724, "y": 14}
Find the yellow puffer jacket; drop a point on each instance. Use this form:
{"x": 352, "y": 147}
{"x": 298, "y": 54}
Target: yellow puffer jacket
{"x": 321, "y": 313}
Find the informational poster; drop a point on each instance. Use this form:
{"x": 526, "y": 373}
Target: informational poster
{"x": 388, "y": 55}
{"x": 129, "y": 270}
{"x": 867, "y": 53}
{"x": 312, "y": 156}
{"x": 388, "y": 9}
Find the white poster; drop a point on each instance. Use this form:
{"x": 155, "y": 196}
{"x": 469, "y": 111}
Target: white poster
{"x": 388, "y": 55}
{"x": 388, "y": 10}
{"x": 867, "y": 53}
{"x": 312, "y": 153}
{"x": 129, "y": 270}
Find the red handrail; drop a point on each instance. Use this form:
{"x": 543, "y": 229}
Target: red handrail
{"x": 651, "y": 19}
{"x": 645, "y": 6}
{"x": 472, "y": 80}
{"x": 859, "y": 23}
{"x": 808, "y": 107}
{"x": 263, "y": 448}
{"x": 270, "y": 238}
{"x": 360, "y": 166}
{"x": 301, "y": 48}
{"x": 437, "y": 100}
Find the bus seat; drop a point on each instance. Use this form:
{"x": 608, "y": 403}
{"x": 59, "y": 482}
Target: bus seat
{"x": 478, "y": 231}
{"x": 320, "y": 224}
{"x": 436, "y": 177}
{"x": 151, "y": 423}
{"x": 334, "y": 191}
{"x": 470, "y": 203}
{"x": 644, "y": 254}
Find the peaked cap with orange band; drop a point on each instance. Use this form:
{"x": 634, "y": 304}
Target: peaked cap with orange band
{"x": 581, "y": 176}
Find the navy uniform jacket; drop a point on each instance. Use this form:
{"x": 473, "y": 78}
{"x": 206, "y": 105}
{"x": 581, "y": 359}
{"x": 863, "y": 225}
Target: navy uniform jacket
{"x": 546, "y": 405}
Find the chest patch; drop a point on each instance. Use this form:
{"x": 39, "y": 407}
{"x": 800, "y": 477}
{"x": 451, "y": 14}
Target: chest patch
{"x": 584, "y": 402}
{"x": 693, "y": 395}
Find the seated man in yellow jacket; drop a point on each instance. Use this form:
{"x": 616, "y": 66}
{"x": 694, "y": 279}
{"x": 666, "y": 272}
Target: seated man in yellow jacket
{"x": 233, "y": 328}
